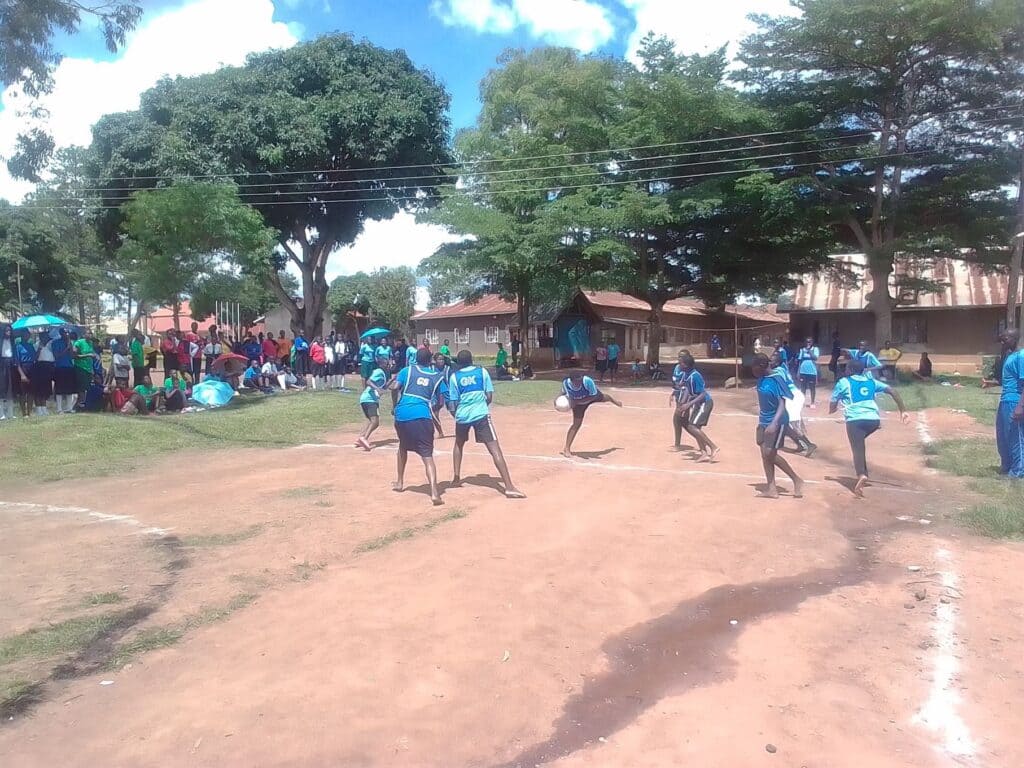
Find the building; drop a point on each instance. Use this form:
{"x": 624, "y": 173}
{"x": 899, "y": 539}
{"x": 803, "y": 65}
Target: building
{"x": 566, "y": 333}
{"x": 955, "y": 324}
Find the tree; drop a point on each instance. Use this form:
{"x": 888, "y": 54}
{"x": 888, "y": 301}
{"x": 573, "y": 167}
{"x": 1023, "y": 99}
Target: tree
{"x": 902, "y": 72}
{"x": 180, "y": 235}
{"x": 387, "y": 296}
{"x": 27, "y": 56}
{"x": 253, "y": 296}
{"x": 319, "y": 127}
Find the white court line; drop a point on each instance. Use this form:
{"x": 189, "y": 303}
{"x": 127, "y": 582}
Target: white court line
{"x": 101, "y": 517}
{"x": 922, "y": 428}
{"x": 584, "y": 464}
{"x": 939, "y": 713}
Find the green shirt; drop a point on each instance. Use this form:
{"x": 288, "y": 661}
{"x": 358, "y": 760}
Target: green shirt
{"x": 147, "y": 393}
{"x": 138, "y": 356}
{"x": 168, "y": 384}
{"x": 444, "y": 350}
{"x": 501, "y": 358}
{"x": 83, "y": 347}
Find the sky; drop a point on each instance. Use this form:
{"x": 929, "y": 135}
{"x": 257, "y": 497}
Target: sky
{"x": 458, "y": 40}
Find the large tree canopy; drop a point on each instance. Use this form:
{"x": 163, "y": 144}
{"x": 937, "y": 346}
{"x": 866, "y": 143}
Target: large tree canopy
{"x": 907, "y": 74}
{"x": 320, "y": 138}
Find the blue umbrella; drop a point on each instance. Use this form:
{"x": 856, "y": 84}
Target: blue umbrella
{"x": 37, "y": 321}
{"x": 376, "y": 332}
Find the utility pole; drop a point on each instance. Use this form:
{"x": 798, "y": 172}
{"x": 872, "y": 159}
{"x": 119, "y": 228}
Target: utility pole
{"x": 21, "y": 307}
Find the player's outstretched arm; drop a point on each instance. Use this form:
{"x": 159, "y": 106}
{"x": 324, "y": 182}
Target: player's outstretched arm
{"x": 904, "y": 416}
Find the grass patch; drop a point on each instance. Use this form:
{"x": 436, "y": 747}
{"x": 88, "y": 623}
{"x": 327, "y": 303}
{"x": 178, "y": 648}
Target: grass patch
{"x": 532, "y": 392}
{"x": 220, "y": 539}
{"x": 88, "y": 445}
{"x": 372, "y": 545}
{"x": 1001, "y": 514}
{"x": 304, "y": 571}
{"x": 56, "y": 639}
{"x": 323, "y": 503}
{"x": 970, "y": 397}
{"x": 302, "y": 492}
{"x": 17, "y": 696}
{"x": 154, "y": 638}
{"x": 103, "y": 598}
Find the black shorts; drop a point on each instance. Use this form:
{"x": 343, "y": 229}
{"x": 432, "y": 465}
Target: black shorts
{"x": 579, "y": 411}
{"x": 370, "y": 410}
{"x": 700, "y": 414}
{"x": 810, "y": 379}
{"x": 483, "y": 428}
{"x": 780, "y": 436}
{"x": 601, "y": 366}
{"x": 416, "y": 436}
{"x": 613, "y": 365}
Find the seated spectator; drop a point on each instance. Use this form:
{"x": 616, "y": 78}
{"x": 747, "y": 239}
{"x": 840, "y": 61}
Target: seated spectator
{"x": 924, "y": 368}
{"x": 501, "y": 373}
{"x": 144, "y": 399}
{"x": 175, "y": 388}
{"x": 286, "y": 379}
{"x": 889, "y": 356}
{"x": 268, "y": 374}
{"x": 252, "y": 376}
{"x": 117, "y": 395}
{"x": 95, "y": 396}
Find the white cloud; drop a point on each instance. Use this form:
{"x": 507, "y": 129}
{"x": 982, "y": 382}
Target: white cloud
{"x": 581, "y": 24}
{"x": 396, "y": 242}
{"x": 197, "y": 37}
{"x": 697, "y": 26}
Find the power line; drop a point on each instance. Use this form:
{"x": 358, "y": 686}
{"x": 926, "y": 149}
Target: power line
{"x": 691, "y": 142}
{"x": 548, "y": 189}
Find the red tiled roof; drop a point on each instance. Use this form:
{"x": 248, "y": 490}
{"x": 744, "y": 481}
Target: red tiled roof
{"x": 490, "y": 304}
{"x": 964, "y": 285}
{"x": 161, "y": 319}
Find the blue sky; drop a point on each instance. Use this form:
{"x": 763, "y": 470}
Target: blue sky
{"x": 458, "y": 40}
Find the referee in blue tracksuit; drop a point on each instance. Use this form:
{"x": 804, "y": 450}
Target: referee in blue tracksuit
{"x": 1010, "y": 416}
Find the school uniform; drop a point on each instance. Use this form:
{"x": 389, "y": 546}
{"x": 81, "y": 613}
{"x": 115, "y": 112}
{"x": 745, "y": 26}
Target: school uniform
{"x": 24, "y": 358}
{"x": 807, "y": 366}
{"x": 770, "y": 389}
{"x": 421, "y": 388}
{"x": 300, "y": 349}
{"x": 795, "y": 403}
{"x": 468, "y": 389}
{"x": 867, "y": 357}
{"x": 369, "y": 401}
{"x": 693, "y": 384}
{"x": 367, "y": 359}
{"x": 1010, "y": 433}
{"x": 7, "y": 370}
{"x": 41, "y": 374}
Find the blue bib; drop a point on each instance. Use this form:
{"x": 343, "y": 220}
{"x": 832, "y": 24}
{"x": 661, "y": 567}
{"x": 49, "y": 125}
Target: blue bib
{"x": 470, "y": 380}
{"x": 422, "y": 384}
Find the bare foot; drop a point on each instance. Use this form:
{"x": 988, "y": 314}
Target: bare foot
{"x": 798, "y": 489}
{"x": 567, "y": 454}
{"x": 456, "y": 482}
{"x": 713, "y": 455}
{"x": 397, "y": 487}
{"x": 514, "y": 493}
{"x": 436, "y": 501}
{"x": 858, "y": 488}
{"x": 771, "y": 492}
{"x": 364, "y": 443}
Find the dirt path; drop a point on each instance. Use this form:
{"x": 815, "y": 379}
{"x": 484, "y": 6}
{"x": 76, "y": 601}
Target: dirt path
{"x": 638, "y": 609}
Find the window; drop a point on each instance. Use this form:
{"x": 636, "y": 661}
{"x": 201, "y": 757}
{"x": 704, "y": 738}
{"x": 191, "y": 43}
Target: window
{"x": 462, "y": 335}
{"x": 608, "y": 336}
{"x": 909, "y": 328}
{"x": 432, "y": 336}
{"x": 491, "y": 334}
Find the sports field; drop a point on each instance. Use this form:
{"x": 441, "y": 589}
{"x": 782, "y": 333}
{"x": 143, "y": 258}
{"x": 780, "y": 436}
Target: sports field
{"x": 253, "y": 605}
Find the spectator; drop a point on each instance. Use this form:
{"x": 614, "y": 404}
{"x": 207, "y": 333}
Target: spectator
{"x": 212, "y": 349}
{"x": 195, "y": 352}
{"x": 8, "y": 370}
{"x": 924, "y": 368}
{"x": 268, "y": 348}
{"x": 444, "y": 349}
{"x": 175, "y": 389}
{"x": 120, "y": 365}
{"x": 41, "y": 374}
{"x": 169, "y": 350}
{"x": 84, "y": 355}
{"x": 384, "y": 349}
{"x": 96, "y": 395}
{"x": 252, "y": 377}
{"x": 872, "y": 364}
{"x": 138, "y": 355}
{"x": 601, "y": 360}
{"x": 715, "y": 346}
{"x": 837, "y": 350}
{"x": 284, "y": 349}
{"x": 144, "y": 398}
{"x": 300, "y": 353}
{"x": 517, "y": 347}
{"x": 501, "y": 359}
{"x": 889, "y": 356}
{"x": 251, "y": 349}
{"x": 614, "y": 350}
{"x": 65, "y": 387}
{"x": 638, "y": 371}
{"x": 24, "y": 359}
{"x": 317, "y": 361}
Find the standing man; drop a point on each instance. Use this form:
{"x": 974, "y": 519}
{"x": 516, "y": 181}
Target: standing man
{"x": 614, "y": 351}
{"x": 601, "y": 360}
{"x": 715, "y": 346}
{"x": 413, "y": 392}
{"x": 517, "y": 347}
{"x": 501, "y": 358}
{"x": 470, "y": 393}
{"x": 837, "y": 351}
{"x": 856, "y": 391}
{"x": 1010, "y": 416}
{"x": 889, "y": 356}
{"x": 138, "y": 355}
{"x": 772, "y": 420}
{"x": 284, "y": 350}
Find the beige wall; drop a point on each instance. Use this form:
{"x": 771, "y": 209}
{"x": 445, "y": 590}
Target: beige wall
{"x": 477, "y": 344}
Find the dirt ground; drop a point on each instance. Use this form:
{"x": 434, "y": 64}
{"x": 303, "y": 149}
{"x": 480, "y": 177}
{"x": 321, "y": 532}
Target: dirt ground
{"x": 638, "y": 609}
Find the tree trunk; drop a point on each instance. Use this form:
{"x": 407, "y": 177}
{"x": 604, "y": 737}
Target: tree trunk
{"x": 654, "y": 331}
{"x": 1017, "y": 253}
{"x": 523, "y": 318}
{"x": 133, "y": 320}
{"x": 880, "y": 301}
{"x": 176, "y": 313}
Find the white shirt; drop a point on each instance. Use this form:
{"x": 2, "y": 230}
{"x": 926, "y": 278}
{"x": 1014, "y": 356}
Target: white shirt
{"x": 328, "y": 353}
{"x": 269, "y": 369}
{"x": 7, "y": 349}
{"x": 45, "y": 354}
{"x": 122, "y": 365}
{"x": 339, "y": 349}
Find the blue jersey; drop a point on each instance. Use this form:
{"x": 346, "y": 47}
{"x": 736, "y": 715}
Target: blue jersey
{"x": 857, "y": 396}
{"x": 771, "y": 390}
{"x": 782, "y": 373}
{"x": 25, "y": 353}
{"x": 690, "y": 384}
{"x": 371, "y": 395}
{"x": 614, "y": 350}
{"x": 1013, "y": 377}
{"x": 366, "y": 353}
{"x": 421, "y": 388}
{"x": 410, "y": 355}
{"x": 61, "y": 360}
{"x": 808, "y": 359}
{"x": 384, "y": 351}
{"x": 587, "y": 389}
{"x": 866, "y": 357}
{"x": 783, "y": 354}
{"x": 467, "y": 390}
{"x": 300, "y": 344}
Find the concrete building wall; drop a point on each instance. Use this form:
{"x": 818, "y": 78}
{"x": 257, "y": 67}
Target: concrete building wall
{"x": 467, "y": 333}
